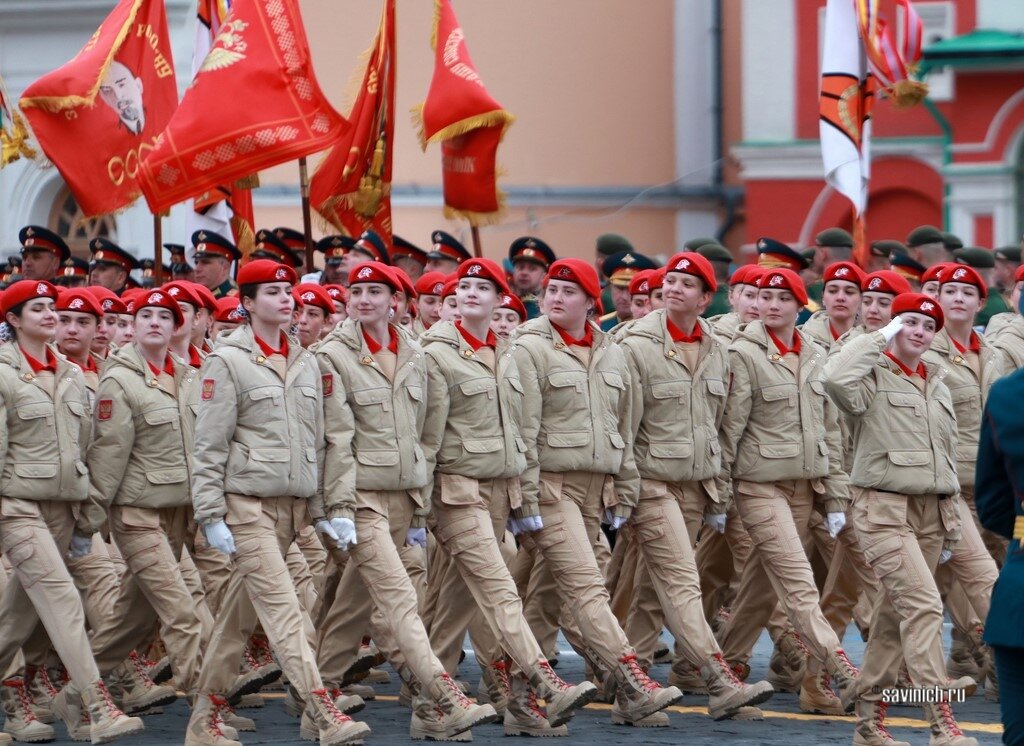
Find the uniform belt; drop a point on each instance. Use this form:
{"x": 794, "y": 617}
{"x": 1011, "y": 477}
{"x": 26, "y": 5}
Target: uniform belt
{"x": 1018, "y": 528}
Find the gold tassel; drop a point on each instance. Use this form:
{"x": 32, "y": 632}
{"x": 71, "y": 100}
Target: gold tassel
{"x": 15, "y": 142}
{"x": 488, "y": 119}
{"x": 907, "y": 93}
{"x": 252, "y": 181}
{"x": 416, "y": 115}
{"x": 437, "y": 22}
{"x": 246, "y": 238}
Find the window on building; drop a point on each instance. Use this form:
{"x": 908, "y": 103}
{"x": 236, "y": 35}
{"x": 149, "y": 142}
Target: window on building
{"x": 69, "y": 222}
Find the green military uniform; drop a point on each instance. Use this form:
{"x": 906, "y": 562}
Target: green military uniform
{"x": 532, "y": 305}
{"x": 226, "y": 288}
{"x": 719, "y": 303}
{"x": 715, "y": 252}
{"x": 210, "y": 244}
{"x": 608, "y": 244}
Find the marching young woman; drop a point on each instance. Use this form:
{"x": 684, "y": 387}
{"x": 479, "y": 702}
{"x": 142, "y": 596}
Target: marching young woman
{"x": 508, "y": 315}
{"x": 374, "y": 377}
{"x": 140, "y": 457}
{"x": 781, "y": 449}
{"x": 472, "y": 444}
{"x": 680, "y": 373}
{"x": 44, "y": 483}
{"x": 841, "y": 300}
{"x": 905, "y": 504}
{"x": 259, "y": 429}
{"x": 576, "y": 425}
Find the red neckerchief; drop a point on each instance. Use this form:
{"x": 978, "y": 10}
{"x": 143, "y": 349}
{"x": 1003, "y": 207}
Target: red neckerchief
{"x": 678, "y": 335}
{"x": 376, "y": 346}
{"x": 197, "y": 362}
{"x": 475, "y": 343}
{"x": 268, "y": 350}
{"x": 168, "y": 367}
{"x": 585, "y": 341}
{"x": 38, "y": 367}
{"x": 783, "y": 350}
{"x": 974, "y": 344}
{"x": 90, "y": 365}
{"x": 921, "y": 370}
{"x": 832, "y": 331}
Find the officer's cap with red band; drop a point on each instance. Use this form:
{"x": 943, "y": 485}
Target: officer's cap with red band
{"x": 919, "y": 303}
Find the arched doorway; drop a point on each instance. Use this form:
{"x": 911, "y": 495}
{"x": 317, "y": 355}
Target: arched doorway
{"x": 68, "y": 221}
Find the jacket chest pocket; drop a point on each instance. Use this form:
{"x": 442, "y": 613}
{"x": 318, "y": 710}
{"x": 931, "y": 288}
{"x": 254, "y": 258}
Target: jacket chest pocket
{"x": 906, "y": 409}
{"x": 666, "y": 400}
{"x": 566, "y": 391}
{"x": 479, "y": 389}
{"x": 166, "y": 417}
{"x": 614, "y": 387}
{"x": 264, "y": 404}
{"x": 307, "y": 402}
{"x": 780, "y": 402}
{"x": 967, "y": 405}
{"x": 370, "y": 402}
{"x": 34, "y": 416}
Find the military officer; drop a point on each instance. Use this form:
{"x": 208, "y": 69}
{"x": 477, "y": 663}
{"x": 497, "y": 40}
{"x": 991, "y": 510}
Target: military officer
{"x": 530, "y": 258}
{"x": 296, "y": 243}
{"x": 721, "y": 259}
{"x": 73, "y": 273}
{"x": 369, "y": 247}
{"x": 269, "y": 245}
{"x": 576, "y": 427}
{"x": 879, "y": 253}
{"x": 214, "y": 255}
{"x": 619, "y": 269}
{"x": 408, "y": 257}
{"x": 830, "y": 246}
{"x": 446, "y": 253}
{"x": 606, "y": 245}
{"x": 910, "y": 270}
{"x": 110, "y": 265}
{"x": 259, "y": 395}
{"x": 1007, "y": 262}
{"x": 47, "y": 424}
{"x": 951, "y": 241}
{"x": 335, "y": 248}
{"x": 180, "y": 268}
{"x": 926, "y": 244}
{"x": 905, "y": 505}
{"x": 42, "y": 253}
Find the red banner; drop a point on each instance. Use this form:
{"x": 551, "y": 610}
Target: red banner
{"x": 351, "y": 188}
{"x": 462, "y": 115}
{"x": 254, "y": 103}
{"x": 98, "y": 149}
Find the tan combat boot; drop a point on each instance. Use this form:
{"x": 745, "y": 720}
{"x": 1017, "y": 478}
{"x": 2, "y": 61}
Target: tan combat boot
{"x": 816, "y": 693}
{"x": 259, "y": 658}
{"x": 561, "y": 698}
{"x": 525, "y": 716}
{"x": 22, "y": 723}
{"x": 844, "y": 675}
{"x": 638, "y": 696}
{"x": 136, "y": 691}
{"x": 67, "y": 705}
{"x": 786, "y": 668}
{"x": 685, "y": 676}
{"x": 870, "y": 729}
{"x": 494, "y": 688}
{"x": 726, "y": 693}
{"x": 322, "y": 721}
{"x": 944, "y": 730}
{"x": 460, "y": 712}
{"x": 428, "y": 722}
{"x": 159, "y": 671}
{"x": 205, "y": 727}
{"x": 108, "y": 722}
{"x": 41, "y": 692}
{"x": 348, "y": 704}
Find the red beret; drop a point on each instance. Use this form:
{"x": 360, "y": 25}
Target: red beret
{"x": 739, "y": 277}
{"x": 157, "y": 299}
{"x": 484, "y": 269}
{"x": 657, "y": 279}
{"x": 449, "y": 286}
{"x": 512, "y": 302}
{"x": 79, "y": 300}
{"x": 310, "y": 293}
{"x": 1018, "y": 275}
{"x": 373, "y": 272}
{"x": 692, "y": 263}
{"x": 844, "y": 271}
{"x": 578, "y": 271}
{"x": 183, "y": 292}
{"x": 963, "y": 274}
{"x": 754, "y": 274}
{"x": 338, "y": 293}
{"x": 405, "y": 281}
{"x": 107, "y": 299}
{"x": 205, "y": 296}
{"x": 26, "y": 290}
{"x": 261, "y": 271}
{"x": 431, "y": 283}
{"x": 780, "y": 278}
{"x": 885, "y": 281}
{"x": 227, "y": 311}
{"x": 918, "y": 303}
{"x": 932, "y": 273}
{"x": 641, "y": 282}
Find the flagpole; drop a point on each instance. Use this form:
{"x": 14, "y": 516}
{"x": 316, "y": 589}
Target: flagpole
{"x": 477, "y": 250}
{"x": 307, "y": 221}
{"x": 158, "y": 249}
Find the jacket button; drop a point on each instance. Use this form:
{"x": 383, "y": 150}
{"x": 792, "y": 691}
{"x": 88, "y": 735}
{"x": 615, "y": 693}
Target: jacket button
{"x": 260, "y": 359}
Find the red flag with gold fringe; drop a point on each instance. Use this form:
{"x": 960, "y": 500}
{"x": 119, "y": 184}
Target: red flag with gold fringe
{"x": 469, "y": 123}
{"x": 127, "y": 65}
{"x": 351, "y": 188}
{"x": 254, "y": 103}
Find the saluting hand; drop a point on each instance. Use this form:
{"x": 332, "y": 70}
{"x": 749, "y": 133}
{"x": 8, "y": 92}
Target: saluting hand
{"x": 891, "y": 329}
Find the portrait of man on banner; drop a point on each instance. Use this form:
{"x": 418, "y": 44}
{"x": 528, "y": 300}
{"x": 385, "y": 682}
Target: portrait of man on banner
{"x": 121, "y": 90}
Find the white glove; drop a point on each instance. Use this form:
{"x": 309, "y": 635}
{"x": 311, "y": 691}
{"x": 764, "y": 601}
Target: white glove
{"x": 345, "y": 532}
{"x": 835, "y": 522}
{"x": 891, "y": 329}
{"x": 524, "y": 525}
{"x": 218, "y": 536}
{"x": 416, "y": 537}
{"x": 615, "y": 521}
{"x": 945, "y": 555}
{"x": 324, "y": 527}
{"x": 716, "y": 521}
{"x": 80, "y": 546}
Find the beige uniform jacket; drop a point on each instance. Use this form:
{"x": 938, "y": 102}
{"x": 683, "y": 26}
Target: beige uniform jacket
{"x": 904, "y": 439}
{"x": 143, "y": 434}
{"x": 725, "y": 325}
{"x": 256, "y": 435}
{"x": 1005, "y": 332}
{"x": 43, "y": 439}
{"x": 473, "y": 413}
{"x": 373, "y": 425}
{"x": 817, "y": 328}
{"x": 676, "y": 413}
{"x": 778, "y": 426}
{"x": 969, "y": 396}
{"x": 576, "y": 417}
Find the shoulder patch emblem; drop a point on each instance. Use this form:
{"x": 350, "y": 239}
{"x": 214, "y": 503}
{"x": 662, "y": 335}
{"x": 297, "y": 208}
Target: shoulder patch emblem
{"x": 207, "y": 392}
{"x": 104, "y": 408}
{"x": 327, "y": 383}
